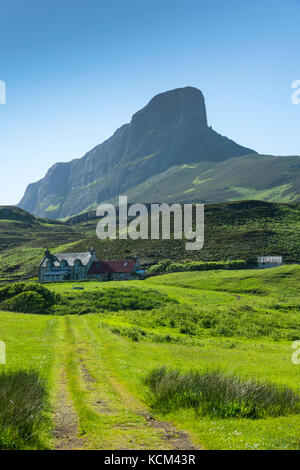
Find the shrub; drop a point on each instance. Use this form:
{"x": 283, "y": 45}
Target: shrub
{"x": 217, "y": 394}
{"x": 10, "y": 291}
{"x": 161, "y": 267}
{"x": 26, "y": 302}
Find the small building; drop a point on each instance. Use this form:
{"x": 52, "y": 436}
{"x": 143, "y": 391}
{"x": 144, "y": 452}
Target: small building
{"x": 115, "y": 270}
{"x": 265, "y": 262}
{"x": 66, "y": 266}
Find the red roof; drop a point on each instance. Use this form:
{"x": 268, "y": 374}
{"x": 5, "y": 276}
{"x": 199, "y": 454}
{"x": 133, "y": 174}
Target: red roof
{"x": 106, "y": 267}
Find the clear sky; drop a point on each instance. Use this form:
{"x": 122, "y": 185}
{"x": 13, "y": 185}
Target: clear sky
{"x": 77, "y": 70}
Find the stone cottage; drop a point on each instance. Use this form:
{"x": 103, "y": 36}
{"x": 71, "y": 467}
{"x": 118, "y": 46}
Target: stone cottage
{"x": 66, "y": 266}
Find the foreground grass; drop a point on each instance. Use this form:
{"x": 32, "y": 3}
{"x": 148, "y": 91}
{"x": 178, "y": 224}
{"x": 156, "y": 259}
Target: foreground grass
{"x": 27, "y": 381}
{"x": 239, "y": 323}
{"x": 23, "y": 409}
{"x": 126, "y": 360}
{"x": 255, "y": 312}
{"x": 216, "y": 394}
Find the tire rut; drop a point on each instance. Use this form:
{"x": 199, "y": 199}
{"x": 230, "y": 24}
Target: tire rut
{"x": 178, "y": 439}
{"x": 66, "y": 420}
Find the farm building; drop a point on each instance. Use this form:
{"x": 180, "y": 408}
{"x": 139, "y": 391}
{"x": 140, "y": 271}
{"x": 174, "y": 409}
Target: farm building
{"x": 265, "y": 262}
{"x": 81, "y": 266}
{"x": 115, "y": 270}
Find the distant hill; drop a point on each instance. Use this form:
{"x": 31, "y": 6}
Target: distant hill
{"x": 170, "y": 131}
{"x": 240, "y": 230}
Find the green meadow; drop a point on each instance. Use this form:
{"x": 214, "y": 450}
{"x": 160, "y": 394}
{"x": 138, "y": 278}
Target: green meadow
{"x": 137, "y": 362}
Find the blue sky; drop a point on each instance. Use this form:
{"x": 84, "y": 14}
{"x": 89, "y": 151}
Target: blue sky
{"x": 77, "y": 70}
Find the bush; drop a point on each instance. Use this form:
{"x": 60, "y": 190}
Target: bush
{"x": 217, "y": 394}
{"x": 26, "y": 302}
{"x": 7, "y": 292}
{"x": 161, "y": 267}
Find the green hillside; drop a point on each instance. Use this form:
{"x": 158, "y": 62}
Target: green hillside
{"x": 238, "y": 230}
{"x": 260, "y": 177}
{"x": 23, "y": 239}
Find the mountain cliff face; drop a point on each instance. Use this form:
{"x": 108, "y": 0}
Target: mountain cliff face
{"x": 171, "y": 130}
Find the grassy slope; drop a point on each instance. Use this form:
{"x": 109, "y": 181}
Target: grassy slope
{"x": 235, "y": 179}
{"x": 23, "y": 239}
{"x": 263, "y": 177}
{"x": 241, "y": 230}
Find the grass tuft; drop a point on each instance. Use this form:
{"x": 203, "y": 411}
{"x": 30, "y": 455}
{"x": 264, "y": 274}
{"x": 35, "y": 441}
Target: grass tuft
{"x": 23, "y": 410}
{"x": 219, "y": 395}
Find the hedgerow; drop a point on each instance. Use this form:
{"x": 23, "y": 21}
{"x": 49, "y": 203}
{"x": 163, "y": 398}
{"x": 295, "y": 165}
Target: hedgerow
{"x": 167, "y": 266}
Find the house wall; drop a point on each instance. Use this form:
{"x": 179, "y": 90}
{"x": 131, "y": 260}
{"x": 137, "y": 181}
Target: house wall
{"x": 113, "y": 277}
{"x": 269, "y": 265}
{"x": 43, "y": 275}
{"x": 77, "y": 272}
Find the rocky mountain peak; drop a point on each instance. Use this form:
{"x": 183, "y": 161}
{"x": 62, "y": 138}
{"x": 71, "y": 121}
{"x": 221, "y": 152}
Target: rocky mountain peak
{"x": 172, "y": 109}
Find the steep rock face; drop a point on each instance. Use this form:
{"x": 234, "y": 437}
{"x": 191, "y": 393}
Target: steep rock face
{"x": 171, "y": 130}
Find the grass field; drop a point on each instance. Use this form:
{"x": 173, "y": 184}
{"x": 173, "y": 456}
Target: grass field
{"x": 93, "y": 366}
